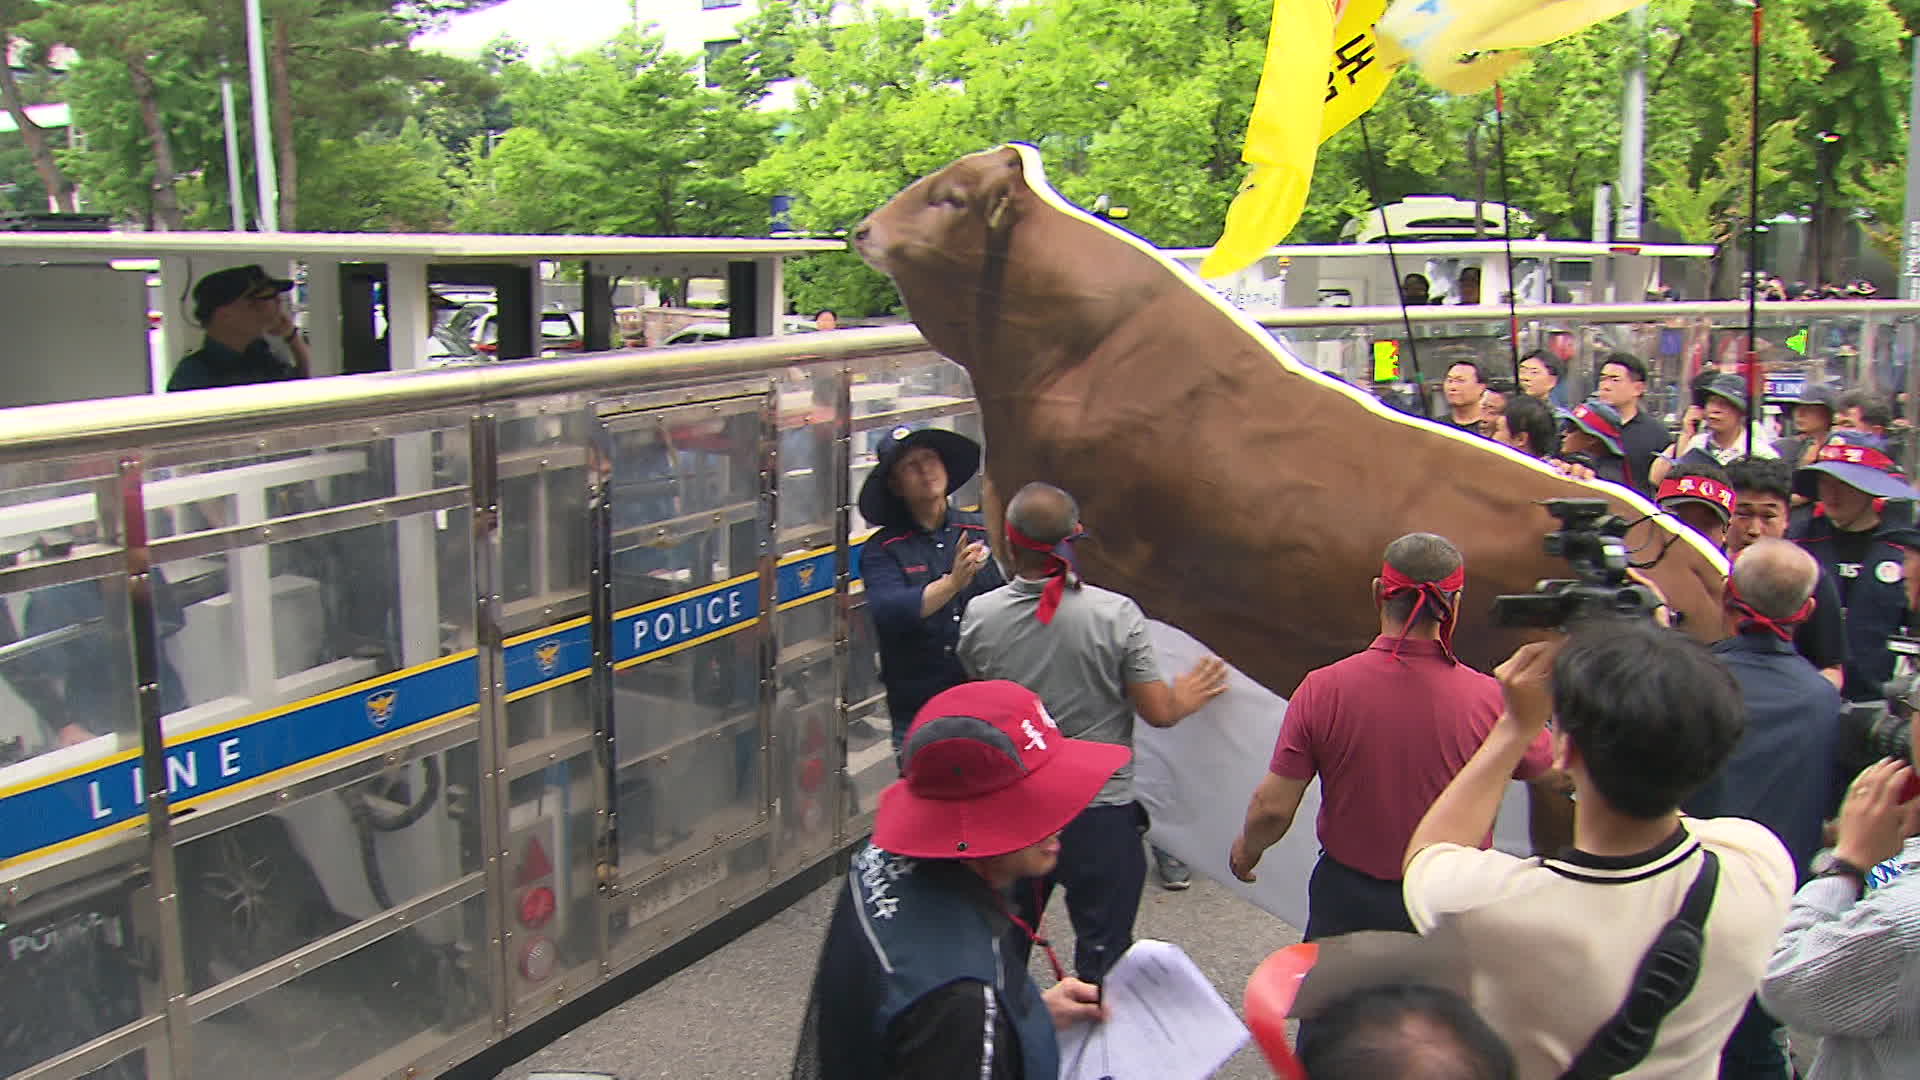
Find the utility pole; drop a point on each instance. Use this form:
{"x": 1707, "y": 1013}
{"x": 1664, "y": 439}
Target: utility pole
{"x": 1479, "y": 182}
{"x": 263, "y": 172}
{"x": 1910, "y": 240}
{"x": 1633, "y": 133}
{"x": 236, "y": 197}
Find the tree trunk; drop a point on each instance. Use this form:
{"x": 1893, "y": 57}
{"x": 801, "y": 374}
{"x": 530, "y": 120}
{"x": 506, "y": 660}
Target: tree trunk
{"x": 166, "y": 201}
{"x": 59, "y": 190}
{"x": 283, "y": 126}
{"x": 1826, "y": 219}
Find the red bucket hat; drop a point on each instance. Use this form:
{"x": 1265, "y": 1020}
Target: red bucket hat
{"x": 986, "y": 772}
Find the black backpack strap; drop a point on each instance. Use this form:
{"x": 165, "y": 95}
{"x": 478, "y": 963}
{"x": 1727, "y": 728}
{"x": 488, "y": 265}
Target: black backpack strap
{"x": 1666, "y": 976}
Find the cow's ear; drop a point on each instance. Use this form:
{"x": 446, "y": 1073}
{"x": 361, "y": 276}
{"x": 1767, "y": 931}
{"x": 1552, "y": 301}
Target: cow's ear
{"x": 1003, "y": 184}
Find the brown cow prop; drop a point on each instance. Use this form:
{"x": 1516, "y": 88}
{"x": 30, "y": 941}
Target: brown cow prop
{"x": 1232, "y": 490}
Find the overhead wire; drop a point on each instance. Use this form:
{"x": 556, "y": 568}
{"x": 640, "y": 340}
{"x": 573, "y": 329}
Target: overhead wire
{"x": 1753, "y": 233}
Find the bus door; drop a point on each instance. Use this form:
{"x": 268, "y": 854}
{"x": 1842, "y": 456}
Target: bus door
{"x": 681, "y": 509}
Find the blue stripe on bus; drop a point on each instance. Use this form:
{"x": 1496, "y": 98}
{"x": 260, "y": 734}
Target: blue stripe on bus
{"x": 68, "y": 808}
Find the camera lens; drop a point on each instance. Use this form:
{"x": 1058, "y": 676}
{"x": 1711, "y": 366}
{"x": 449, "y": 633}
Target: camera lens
{"x": 1889, "y": 737}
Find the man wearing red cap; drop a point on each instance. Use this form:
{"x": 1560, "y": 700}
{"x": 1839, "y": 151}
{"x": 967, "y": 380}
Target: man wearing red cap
{"x": 913, "y": 981}
{"x": 1086, "y": 652}
{"x": 1591, "y": 439}
{"x": 1384, "y": 730}
{"x": 1699, "y": 495}
{"x": 1861, "y": 493}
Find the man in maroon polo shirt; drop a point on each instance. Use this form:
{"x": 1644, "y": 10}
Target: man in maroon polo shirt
{"x": 1386, "y": 730}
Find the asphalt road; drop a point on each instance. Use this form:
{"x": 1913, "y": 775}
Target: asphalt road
{"x": 694, "y": 1024}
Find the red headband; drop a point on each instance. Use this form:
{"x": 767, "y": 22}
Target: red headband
{"x": 1060, "y": 568}
{"x": 1393, "y": 583}
{"x": 1751, "y": 618}
{"x": 1848, "y": 454}
{"x": 1697, "y": 487}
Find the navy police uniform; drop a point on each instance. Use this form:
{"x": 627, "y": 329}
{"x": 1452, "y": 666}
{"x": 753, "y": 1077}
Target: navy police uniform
{"x": 917, "y": 657}
{"x": 214, "y": 364}
{"x": 1869, "y": 569}
{"x": 898, "y": 562}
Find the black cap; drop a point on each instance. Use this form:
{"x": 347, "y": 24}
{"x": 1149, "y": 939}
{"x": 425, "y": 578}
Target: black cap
{"x": 223, "y": 287}
{"x": 1820, "y": 394}
{"x": 1731, "y": 389}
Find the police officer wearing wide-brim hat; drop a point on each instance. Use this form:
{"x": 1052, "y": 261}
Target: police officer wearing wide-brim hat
{"x": 923, "y": 565}
{"x": 1863, "y": 499}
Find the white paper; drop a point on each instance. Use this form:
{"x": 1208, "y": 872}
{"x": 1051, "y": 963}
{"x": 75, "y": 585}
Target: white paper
{"x": 1196, "y": 778}
{"x": 1165, "y": 1022}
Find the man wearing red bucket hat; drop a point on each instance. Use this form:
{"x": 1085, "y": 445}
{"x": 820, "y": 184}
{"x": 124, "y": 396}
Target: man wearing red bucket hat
{"x": 912, "y": 979}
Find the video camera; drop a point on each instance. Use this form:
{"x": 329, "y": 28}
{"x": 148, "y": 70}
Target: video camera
{"x": 1592, "y": 540}
{"x": 1871, "y": 730}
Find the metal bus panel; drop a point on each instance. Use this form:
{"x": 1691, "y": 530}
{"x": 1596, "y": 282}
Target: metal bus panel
{"x": 78, "y": 993}
{"x": 375, "y": 1010}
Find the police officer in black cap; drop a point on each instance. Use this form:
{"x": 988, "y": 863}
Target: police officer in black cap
{"x": 1813, "y": 413}
{"x": 926, "y": 561}
{"x": 240, "y": 308}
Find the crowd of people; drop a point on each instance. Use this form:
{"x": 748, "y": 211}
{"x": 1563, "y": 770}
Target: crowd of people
{"x": 1715, "y": 863}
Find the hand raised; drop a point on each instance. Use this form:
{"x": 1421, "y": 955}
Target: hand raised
{"x": 1526, "y": 681}
{"x": 1874, "y": 823}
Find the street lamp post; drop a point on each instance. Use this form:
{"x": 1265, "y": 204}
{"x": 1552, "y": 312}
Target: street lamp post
{"x": 263, "y": 170}
{"x": 236, "y": 199}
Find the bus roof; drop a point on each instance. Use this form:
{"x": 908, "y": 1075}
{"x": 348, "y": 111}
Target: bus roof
{"x": 438, "y": 247}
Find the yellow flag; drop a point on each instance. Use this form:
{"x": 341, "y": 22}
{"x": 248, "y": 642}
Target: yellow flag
{"x": 1293, "y": 112}
{"x": 1361, "y": 66}
{"x": 1363, "y": 42}
{"x": 1438, "y": 33}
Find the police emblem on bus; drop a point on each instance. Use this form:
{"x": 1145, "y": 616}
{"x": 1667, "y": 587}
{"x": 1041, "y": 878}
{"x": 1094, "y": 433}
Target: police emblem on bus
{"x": 547, "y": 655}
{"x": 380, "y": 707}
{"x": 806, "y": 575}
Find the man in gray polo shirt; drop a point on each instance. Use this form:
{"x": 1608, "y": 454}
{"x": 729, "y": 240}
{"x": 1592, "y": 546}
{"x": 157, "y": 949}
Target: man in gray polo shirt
{"x": 1086, "y": 652}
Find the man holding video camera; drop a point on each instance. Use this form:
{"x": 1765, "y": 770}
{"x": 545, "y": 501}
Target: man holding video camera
{"x": 1642, "y": 717}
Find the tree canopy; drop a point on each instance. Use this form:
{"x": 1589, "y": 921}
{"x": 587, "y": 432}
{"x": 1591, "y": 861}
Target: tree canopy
{"x": 1143, "y": 102}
